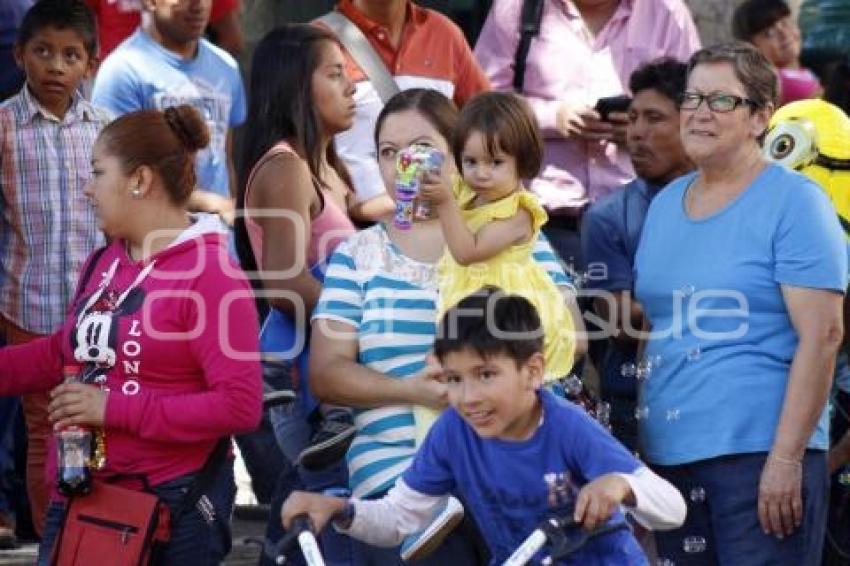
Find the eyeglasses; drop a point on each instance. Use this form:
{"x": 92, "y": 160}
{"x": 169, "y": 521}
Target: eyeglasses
{"x": 716, "y": 102}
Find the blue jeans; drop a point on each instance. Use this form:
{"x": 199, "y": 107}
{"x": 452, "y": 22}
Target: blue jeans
{"x": 838, "y": 521}
{"x": 723, "y": 516}
{"x": 194, "y": 539}
{"x": 619, "y": 391}
{"x": 336, "y": 547}
{"x": 8, "y": 412}
{"x": 263, "y": 458}
{"x": 292, "y": 428}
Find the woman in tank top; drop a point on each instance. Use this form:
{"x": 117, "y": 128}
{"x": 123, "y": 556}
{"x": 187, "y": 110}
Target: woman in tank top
{"x": 293, "y": 210}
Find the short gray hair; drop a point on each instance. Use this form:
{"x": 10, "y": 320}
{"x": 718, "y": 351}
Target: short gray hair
{"x": 752, "y": 68}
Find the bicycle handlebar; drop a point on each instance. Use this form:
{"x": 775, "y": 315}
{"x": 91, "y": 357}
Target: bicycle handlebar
{"x": 301, "y": 531}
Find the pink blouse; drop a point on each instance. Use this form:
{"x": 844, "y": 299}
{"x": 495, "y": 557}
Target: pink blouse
{"x": 566, "y": 63}
{"x": 330, "y": 227}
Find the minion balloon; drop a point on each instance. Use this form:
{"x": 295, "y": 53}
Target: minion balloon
{"x": 813, "y": 137}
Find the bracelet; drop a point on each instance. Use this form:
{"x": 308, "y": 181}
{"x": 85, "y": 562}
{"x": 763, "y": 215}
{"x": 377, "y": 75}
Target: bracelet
{"x": 786, "y": 461}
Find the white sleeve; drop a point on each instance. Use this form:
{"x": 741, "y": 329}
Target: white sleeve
{"x": 386, "y": 521}
{"x": 660, "y": 506}
{"x": 356, "y": 146}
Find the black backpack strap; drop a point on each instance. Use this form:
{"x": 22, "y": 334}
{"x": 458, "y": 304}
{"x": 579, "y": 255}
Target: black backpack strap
{"x": 529, "y": 28}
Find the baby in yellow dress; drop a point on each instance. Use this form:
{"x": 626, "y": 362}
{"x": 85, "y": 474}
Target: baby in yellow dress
{"x": 491, "y": 223}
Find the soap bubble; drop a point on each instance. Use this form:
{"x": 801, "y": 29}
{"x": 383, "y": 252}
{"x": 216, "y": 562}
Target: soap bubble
{"x": 687, "y": 290}
{"x": 673, "y": 415}
{"x": 643, "y": 370}
{"x": 693, "y": 545}
{"x": 641, "y": 413}
{"x": 697, "y": 495}
{"x": 603, "y": 414}
{"x": 628, "y": 369}
{"x": 572, "y": 385}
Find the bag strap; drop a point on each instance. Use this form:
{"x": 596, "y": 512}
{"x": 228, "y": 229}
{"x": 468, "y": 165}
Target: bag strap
{"x": 356, "y": 43}
{"x": 84, "y": 278}
{"x": 86, "y": 275}
{"x": 529, "y": 28}
{"x": 204, "y": 479}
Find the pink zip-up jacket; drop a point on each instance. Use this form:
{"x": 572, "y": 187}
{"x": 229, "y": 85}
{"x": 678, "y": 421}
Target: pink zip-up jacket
{"x": 182, "y": 346}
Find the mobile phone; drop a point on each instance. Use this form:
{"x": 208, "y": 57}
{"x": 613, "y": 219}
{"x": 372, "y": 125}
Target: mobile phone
{"x": 610, "y": 104}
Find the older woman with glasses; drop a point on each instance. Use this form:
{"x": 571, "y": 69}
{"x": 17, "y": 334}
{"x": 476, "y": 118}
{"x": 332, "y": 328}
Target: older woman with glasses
{"x": 741, "y": 271}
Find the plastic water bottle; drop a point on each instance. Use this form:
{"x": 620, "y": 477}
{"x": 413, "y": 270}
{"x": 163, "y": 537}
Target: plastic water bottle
{"x": 74, "y": 446}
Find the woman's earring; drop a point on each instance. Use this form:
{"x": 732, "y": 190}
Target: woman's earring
{"x": 136, "y": 192}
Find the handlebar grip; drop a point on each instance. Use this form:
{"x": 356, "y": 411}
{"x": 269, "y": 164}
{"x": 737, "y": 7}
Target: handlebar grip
{"x": 526, "y": 551}
{"x": 310, "y": 548}
{"x": 300, "y": 531}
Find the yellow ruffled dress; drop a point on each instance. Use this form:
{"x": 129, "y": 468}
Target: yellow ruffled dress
{"x": 513, "y": 270}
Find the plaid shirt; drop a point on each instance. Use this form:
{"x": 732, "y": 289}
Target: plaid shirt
{"x": 47, "y": 226}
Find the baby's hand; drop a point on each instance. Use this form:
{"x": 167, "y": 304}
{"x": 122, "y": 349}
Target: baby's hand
{"x": 436, "y": 188}
{"x": 598, "y": 500}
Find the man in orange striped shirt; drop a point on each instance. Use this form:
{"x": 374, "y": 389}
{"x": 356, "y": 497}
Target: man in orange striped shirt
{"x": 420, "y": 48}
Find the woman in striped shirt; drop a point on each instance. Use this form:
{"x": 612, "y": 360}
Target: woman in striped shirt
{"x": 375, "y": 322}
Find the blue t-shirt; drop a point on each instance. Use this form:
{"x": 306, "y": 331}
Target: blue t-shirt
{"x": 141, "y": 74}
{"x": 722, "y": 341}
{"x": 510, "y": 487}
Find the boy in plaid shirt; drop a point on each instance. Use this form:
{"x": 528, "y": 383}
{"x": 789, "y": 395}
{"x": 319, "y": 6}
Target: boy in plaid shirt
{"x": 47, "y": 226}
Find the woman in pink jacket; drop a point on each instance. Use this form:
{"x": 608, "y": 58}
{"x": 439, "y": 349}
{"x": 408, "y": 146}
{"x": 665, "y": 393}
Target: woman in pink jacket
{"x": 164, "y": 327}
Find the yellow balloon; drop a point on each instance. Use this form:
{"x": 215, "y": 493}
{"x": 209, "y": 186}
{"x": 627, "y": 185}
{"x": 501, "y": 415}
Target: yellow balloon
{"x": 813, "y": 137}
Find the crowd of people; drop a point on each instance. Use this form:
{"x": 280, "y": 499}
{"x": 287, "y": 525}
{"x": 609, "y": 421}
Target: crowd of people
{"x": 604, "y": 305}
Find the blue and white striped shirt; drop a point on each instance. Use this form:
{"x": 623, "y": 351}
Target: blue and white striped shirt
{"x": 391, "y": 300}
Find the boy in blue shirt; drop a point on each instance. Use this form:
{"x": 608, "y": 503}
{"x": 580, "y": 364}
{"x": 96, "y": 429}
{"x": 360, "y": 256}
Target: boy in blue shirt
{"x": 513, "y": 452}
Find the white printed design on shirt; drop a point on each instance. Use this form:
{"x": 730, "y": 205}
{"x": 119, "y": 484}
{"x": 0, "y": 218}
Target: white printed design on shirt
{"x": 213, "y": 106}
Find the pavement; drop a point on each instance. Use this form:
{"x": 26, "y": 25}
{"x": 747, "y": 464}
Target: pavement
{"x": 245, "y": 524}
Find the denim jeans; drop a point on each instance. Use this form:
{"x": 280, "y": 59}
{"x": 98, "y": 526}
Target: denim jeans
{"x": 722, "y": 526}
{"x": 336, "y": 547}
{"x": 837, "y": 546}
{"x": 263, "y": 459}
{"x": 8, "y": 412}
{"x": 196, "y": 539}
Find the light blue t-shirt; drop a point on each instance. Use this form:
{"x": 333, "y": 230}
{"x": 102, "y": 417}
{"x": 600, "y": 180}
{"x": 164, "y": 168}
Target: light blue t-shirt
{"x": 510, "y": 487}
{"x": 722, "y": 341}
{"x": 141, "y": 74}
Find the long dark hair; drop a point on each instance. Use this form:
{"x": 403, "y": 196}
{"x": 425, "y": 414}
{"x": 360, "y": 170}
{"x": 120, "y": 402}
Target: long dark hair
{"x": 280, "y": 107}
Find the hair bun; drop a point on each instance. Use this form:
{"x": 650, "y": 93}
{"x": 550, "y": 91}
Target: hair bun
{"x": 188, "y": 126}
